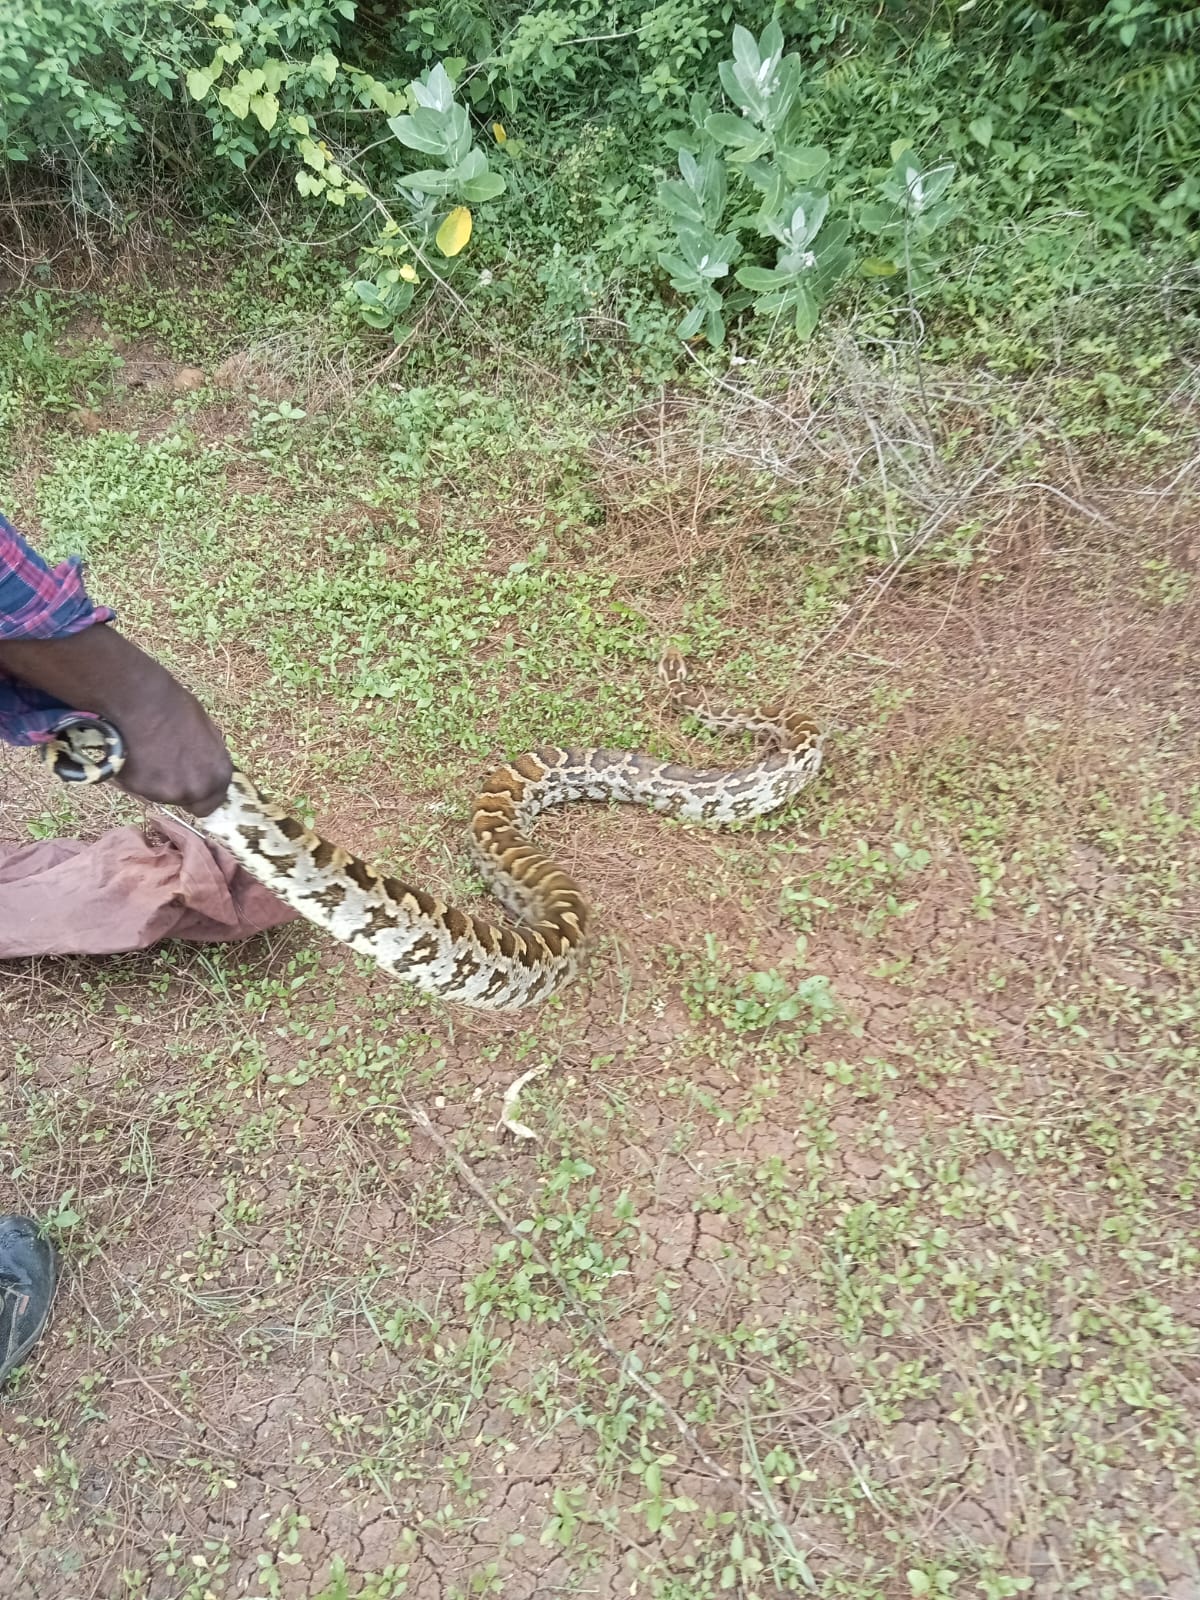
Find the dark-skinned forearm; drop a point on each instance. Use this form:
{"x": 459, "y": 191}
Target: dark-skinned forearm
{"x": 94, "y": 670}
{"x": 175, "y": 754}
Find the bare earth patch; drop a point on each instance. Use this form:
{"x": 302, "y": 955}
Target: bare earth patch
{"x": 870, "y": 1287}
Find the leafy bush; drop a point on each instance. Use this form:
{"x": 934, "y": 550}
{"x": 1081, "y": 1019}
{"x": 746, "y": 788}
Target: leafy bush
{"x": 759, "y": 152}
{"x": 830, "y": 128}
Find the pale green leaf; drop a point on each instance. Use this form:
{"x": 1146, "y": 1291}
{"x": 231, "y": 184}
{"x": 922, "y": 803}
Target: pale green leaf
{"x": 266, "y": 108}
{"x": 199, "y": 81}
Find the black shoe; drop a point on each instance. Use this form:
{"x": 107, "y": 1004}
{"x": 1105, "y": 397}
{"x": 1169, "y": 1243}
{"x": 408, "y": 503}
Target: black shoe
{"x": 28, "y": 1274}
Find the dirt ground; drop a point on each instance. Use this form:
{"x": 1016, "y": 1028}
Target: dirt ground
{"x": 888, "y": 1287}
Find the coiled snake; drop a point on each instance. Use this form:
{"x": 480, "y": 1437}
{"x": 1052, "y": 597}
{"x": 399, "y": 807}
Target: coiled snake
{"x": 441, "y": 950}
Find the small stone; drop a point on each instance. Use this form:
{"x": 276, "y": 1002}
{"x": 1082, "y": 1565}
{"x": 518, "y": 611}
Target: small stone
{"x": 1168, "y": 1556}
{"x": 862, "y": 1166}
{"x": 186, "y": 379}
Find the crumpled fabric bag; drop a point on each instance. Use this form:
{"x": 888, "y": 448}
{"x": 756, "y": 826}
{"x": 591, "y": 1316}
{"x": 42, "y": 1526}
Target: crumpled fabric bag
{"x": 126, "y": 891}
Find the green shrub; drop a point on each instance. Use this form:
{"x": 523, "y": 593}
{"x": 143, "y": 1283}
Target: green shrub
{"x": 1081, "y": 118}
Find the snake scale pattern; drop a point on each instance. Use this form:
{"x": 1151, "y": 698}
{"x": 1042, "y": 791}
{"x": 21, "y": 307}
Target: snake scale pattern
{"x": 443, "y": 951}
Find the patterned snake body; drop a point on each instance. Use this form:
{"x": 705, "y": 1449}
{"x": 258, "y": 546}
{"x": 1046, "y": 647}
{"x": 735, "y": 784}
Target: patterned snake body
{"x": 443, "y": 951}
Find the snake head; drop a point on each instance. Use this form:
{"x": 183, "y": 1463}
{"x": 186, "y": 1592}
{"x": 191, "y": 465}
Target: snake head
{"x": 672, "y": 669}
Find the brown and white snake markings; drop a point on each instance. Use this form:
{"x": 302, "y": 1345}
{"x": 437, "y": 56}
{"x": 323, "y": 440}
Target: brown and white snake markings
{"x": 418, "y": 938}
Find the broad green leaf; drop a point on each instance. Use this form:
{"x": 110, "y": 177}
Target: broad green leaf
{"x": 681, "y": 202}
{"x": 434, "y": 133}
{"x": 312, "y": 154}
{"x": 739, "y": 134}
{"x": 487, "y": 186}
{"x": 981, "y": 129}
{"x": 471, "y": 165}
{"x": 199, "y": 81}
{"x": 460, "y": 133}
{"x": 937, "y": 180}
{"x": 434, "y": 91}
{"x": 760, "y": 279}
{"x": 409, "y": 132}
{"x": 739, "y": 86}
{"x": 703, "y": 250}
{"x": 266, "y": 108}
{"x": 684, "y": 277}
{"x": 236, "y": 99}
{"x": 807, "y": 213}
{"x": 275, "y": 74}
{"x": 771, "y": 43}
{"x": 454, "y": 232}
{"x": 876, "y": 218}
{"x": 309, "y": 183}
{"x": 430, "y": 180}
{"x": 808, "y": 312}
{"x": 745, "y": 50}
{"x": 690, "y": 325}
{"x": 324, "y": 65}
{"x": 380, "y": 96}
{"x": 801, "y": 164}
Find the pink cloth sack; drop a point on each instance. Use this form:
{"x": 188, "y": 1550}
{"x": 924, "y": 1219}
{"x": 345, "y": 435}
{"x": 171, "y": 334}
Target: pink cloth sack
{"x": 126, "y": 891}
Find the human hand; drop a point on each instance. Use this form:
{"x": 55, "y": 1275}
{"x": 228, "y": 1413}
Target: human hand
{"x": 174, "y": 753}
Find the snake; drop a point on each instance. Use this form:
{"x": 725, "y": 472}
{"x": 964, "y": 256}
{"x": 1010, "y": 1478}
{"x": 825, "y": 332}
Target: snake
{"x": 438, "y": 948}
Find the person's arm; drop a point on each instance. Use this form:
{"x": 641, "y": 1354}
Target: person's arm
{"x": 59, "y": 653}
{"x": 174, "y": 753}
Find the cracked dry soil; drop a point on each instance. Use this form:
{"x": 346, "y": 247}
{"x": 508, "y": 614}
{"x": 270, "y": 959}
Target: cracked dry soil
{"x": 921, "y": 1282}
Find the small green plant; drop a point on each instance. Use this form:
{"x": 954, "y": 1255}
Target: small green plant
{"x": 913, "y": 210}
{"x": 567, "y": 1505}
{"x": 658, "y": 1505}
{"x": 759, "y": 1000}
{"x": 425, "y": 118}
{"x": 390, "y": 1584}
{"x": 761, "y": 150}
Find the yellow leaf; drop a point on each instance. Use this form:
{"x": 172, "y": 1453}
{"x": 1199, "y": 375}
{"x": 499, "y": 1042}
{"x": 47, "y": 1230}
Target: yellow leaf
{"x": 453, "y": 234}
{"x": 409, "y": 274}
{"x": 498, "y": 133}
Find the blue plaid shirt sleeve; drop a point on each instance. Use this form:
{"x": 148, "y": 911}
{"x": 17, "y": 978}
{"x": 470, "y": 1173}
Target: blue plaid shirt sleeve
{"x": 37, "y": 602}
